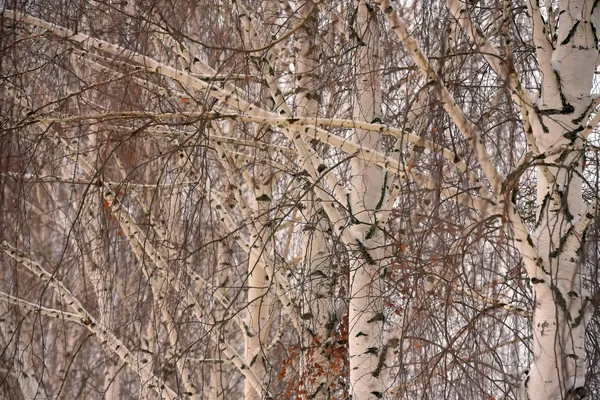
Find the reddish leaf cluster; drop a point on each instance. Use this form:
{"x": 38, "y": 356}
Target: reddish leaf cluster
{"x": 329, "y": 374}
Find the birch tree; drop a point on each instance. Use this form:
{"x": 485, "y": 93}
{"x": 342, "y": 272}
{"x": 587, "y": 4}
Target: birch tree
{"x": 310, "y": 199}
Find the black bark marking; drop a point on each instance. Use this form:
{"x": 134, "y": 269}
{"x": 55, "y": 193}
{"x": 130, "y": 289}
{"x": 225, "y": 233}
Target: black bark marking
{"x": 571, "y": 33}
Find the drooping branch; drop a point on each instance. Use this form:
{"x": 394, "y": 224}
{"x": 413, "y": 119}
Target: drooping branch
{"x": 39, "y": 309}
{"x": 448, "y": 102}
{"x": 503, "y": 67}
{"x": 104, "y": 336}
{"x": 311, "y": 128}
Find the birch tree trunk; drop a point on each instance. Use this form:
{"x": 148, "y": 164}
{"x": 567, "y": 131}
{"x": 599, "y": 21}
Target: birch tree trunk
{"x": 259, "y": 282}
{"x": 319, "y": 283}
{"x": 562, "y": 307}
{"x": 366, "y": 317}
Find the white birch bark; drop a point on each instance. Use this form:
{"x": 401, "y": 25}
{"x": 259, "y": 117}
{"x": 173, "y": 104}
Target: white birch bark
{"x": 366, "y": 318}
{"x": 259, "y": 302}
{"x": 561, "y": 301}
{"x": 551, "y": 254}
{"x": 318, "y": 315}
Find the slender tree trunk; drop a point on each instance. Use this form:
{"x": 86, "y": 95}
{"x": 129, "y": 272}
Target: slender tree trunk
{"x": 366, "y": 317}
{"x": 318, "y": 316}
{"x": 259, "y": 281}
